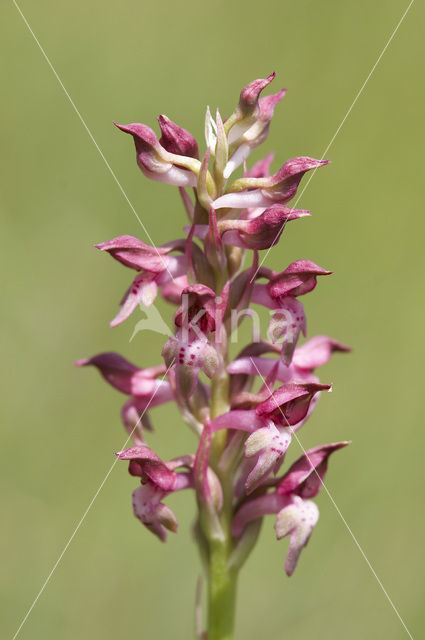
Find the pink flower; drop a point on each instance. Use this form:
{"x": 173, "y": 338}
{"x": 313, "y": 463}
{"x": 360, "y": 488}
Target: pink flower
{"x": 244, "y": 413}
{"x": 134, "y": 253}
{"x": 188, "y": 357}
{"x": 305, "y": 476}
{"x": 126, "y": 377}
{"x": 146, "y": 391}
{"x": 317, "y": 352}
{"x": 280, "y": 293}
{"x": 149, "y": 509}
{"x": 156, "y": 162}
{"x": 297, "y": 279}
{"x": 249, "y": 126}
{"x": 289, "y": 404}
{"x": 307, "y": 357}
{"x": 263, "y": 192}
{"x": 159, "y": 480}
{"x": 268, "y": 446}
{"x": 198, "y": 310}
{"x": 313, "y": 353}
{"x": 249, "y": 97}
{"x": 156, "y": 268}
{"x": 287, "y": 323}
{"x": 199, "y": 320}
{"x": 296, "y": 514}
{"x": 297, "y": 520}
{"x": 146, "y": 464}
{"x": 261, "y": 232}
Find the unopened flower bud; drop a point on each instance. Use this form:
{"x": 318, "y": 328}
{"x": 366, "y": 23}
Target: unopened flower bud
{"x": 156, "y": 162}
{"x": 248, "y": 100}
{"x": 177, "y": 140}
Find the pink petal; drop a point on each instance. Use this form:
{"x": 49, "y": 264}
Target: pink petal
{"x": 270, "y": 445}
{"x": 242, "y": 200}
{"x": 306, "y": 475}
{"x": 243, "y": 420}
{"x": 316, "y": 352}
{"x": 289, "y": 404}
{"x": 288, "y": 322}
{"x": 150, "y": 465}
{"x": 135, "y": 254}
{"x": 142, "y": 291}
{"x": 260, "y": 169}
{"x": 297, "y": 279}
{"x": 152, "y": 513}
{"x": 176, "y": 176}
{"x": 267, "y": 104}
{"x": 121, "y": 374}
{"x": 298, "y": 521}
{"x": 257, "y": 508}
{"x": 254, "y": 366}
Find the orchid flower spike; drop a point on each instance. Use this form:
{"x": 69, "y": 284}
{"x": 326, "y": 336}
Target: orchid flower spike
{"x": 244, "y": 411}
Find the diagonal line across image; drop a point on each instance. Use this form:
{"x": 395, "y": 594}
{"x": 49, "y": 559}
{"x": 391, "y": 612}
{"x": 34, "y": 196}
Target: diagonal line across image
{"x": 150, "y": 239}
{"x": 356, "y": 542}
{"x": 83, "y": 517}
{"x": 341, "y": 124}
{"x": 92, "y": 138}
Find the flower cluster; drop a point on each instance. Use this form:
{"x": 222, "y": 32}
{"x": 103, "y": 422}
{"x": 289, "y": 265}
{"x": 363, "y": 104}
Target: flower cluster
{"x": 247, "y": 410}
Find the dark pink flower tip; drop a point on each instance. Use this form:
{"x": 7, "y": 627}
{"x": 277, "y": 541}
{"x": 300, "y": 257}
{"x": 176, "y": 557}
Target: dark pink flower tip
{"x": 296, "y": 168}
{"x": 177, "y": 140}
{"x": 250, "y": 94}
{"x": 283, "y": 185}
{"x": 151, "y": 156}
{"x": 144, "y": 137}
{"x": 146, "y": 464}
{"x": 134, "y": 253}
{"x": 289, "y": 404}
{"x": 305, "y": 476}
{"x": 297, "y": 279}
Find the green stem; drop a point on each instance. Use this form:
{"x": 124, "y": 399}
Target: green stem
{"x": 221, "y": 579}
{"x": 221, "y": 594}
{"x": 219, "y": 405}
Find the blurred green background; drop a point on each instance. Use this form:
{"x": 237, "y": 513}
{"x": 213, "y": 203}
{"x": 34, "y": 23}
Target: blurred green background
{"x": 129, "y": 62}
